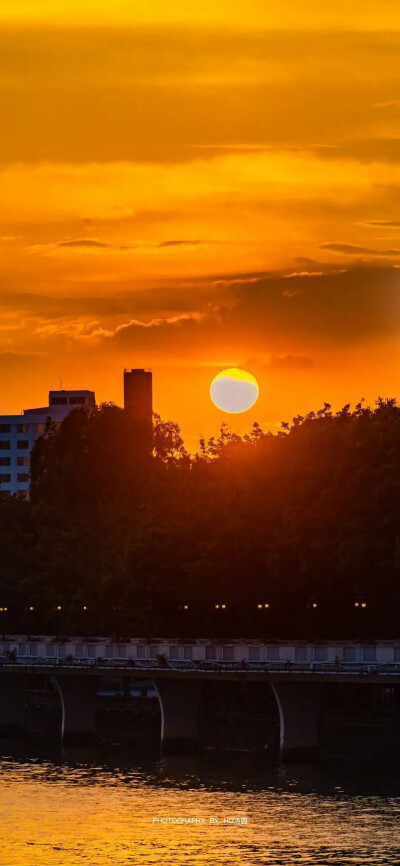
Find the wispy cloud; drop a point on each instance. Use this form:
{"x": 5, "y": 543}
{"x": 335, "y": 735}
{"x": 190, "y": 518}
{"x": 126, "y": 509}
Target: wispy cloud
{"x": 383, "y": 223}
{"x": 89, "y": 243}
{"x": 354, "y": 250}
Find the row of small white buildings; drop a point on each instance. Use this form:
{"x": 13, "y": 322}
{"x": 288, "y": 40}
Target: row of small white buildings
{"x": 49, "y": 647}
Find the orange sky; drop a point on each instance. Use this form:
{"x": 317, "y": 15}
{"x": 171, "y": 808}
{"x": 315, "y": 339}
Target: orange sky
{"x": 192, "y": 186}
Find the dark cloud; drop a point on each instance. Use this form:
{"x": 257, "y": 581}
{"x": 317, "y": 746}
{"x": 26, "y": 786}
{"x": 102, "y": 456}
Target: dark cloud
{"x": 179, "y": 243}
{"x": 83, "y": 242}
{"x": 94, "y": 243}
{"x": 353, "y": 250}
{"x": 319, "y": 310}
{"x": 164, "y": 300}
{"x": 286, "y": 319}
{"x": 383, "y": 223}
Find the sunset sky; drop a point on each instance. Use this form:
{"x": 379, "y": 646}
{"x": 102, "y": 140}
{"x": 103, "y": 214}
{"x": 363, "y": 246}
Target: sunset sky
{"x": 189, "y": 186}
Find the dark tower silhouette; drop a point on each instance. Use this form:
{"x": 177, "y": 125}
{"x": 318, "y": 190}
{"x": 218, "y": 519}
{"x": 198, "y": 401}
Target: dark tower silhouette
{"x": 138, "y": 400}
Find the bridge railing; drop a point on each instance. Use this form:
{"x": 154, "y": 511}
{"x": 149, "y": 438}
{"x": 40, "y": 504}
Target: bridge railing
{"x": 217, "y": 666}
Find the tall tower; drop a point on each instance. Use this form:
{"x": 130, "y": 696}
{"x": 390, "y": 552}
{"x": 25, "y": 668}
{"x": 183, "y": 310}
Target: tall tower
{"x": 138, "y": 400}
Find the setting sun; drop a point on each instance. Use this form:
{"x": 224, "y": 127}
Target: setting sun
{"x": 234, "y": 390}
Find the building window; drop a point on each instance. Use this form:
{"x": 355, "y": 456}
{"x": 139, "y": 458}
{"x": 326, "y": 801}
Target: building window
{"x": 22, "y": 461}
{"x": 153, "y": 652}
{"x": 211, "y": 653}
{"x": 22, "y": 444}
{"x": 23, "y": 476}
{"x": 74, "y": 400}
{"x": 22, "y": 428}
{"x": 79, "y": 651}
{"x": 50, "y": 650}
{"x": 33, "y": 649}
{"x": 174, "y": 652}
{"x": 301, "y": 654}
{"x": 397, "y": 653}
{"x": 187, "y": 652}
{"x": 141, "y": 651}
{"x": 273, "y": 653}
{"x": 91, "y": 651}
{"x": 227, "y": 653}
{"x": 254, "y": 653}
{"x": 370, "y": 654}
{"x": 350, "y": 654}
{"x": 4, "y": 477}
{"x": 5, "y": 445}
{"x": 21, "y": 649}
{"x": 5, "y": 428}
{"x": 39, "y": 428}
{"x": 121, "y": 651}
{"x": 321, "y": 653}
{"x": 4, "y": 461}
{"x": 58, "y": 401}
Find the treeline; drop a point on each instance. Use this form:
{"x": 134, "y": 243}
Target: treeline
{"x": 295, "y": 534}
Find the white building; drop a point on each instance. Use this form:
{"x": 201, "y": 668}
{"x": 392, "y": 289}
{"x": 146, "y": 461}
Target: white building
{"x": 18, "y": 434}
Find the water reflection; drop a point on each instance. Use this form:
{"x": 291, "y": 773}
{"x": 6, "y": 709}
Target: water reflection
{"x": 108, "y": 806}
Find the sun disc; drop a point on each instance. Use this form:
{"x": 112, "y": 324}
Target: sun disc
{"x": 234, "y": 390}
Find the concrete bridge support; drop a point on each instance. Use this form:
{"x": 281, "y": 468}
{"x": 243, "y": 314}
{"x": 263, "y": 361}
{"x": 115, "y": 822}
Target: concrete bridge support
{"x": 12, "y": 704}
{"x": 179, "y": 700}
{"x": 78, "y": 699}
{"x": 299, "y": 714}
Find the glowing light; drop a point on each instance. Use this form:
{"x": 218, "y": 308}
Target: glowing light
{"x": 234, "y": 390}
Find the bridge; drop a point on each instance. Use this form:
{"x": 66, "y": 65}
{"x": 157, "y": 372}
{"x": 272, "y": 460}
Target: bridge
{"x": 296, "y": 673}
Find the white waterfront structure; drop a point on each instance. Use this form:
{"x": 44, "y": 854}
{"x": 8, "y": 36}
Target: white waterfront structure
{"x": 19, "y": 432}
{"x": 277, "y": 655}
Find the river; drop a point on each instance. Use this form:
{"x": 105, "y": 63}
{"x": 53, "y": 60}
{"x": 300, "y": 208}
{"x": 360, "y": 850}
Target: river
{"x": 108, "y": 807}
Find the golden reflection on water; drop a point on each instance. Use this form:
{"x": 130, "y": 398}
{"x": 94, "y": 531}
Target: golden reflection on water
{"x": 66, "y": 814}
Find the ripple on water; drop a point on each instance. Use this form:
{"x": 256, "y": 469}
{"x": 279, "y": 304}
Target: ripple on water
{"x": 59, "y": 812}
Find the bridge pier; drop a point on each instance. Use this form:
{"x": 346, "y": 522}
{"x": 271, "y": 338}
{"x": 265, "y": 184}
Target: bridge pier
{"x": 299, "y": 713}
{"x": 12, "y": 704}
{"x": 78, "y": 700}
{"x": 179, "y": 700}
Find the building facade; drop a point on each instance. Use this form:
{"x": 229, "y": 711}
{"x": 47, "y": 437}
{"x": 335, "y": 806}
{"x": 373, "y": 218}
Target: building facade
{"x": 19, "y": 432}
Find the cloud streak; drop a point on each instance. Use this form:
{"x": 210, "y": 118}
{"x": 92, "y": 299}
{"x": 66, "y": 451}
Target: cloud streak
{"x": 354, "y": 250}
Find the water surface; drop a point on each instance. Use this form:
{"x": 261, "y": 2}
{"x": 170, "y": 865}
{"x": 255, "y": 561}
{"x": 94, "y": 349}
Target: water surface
{"x": 114, "y": 809}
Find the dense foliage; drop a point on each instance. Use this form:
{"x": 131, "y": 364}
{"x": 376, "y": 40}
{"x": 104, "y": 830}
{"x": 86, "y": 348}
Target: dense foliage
{"x": 306, "y": 521}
